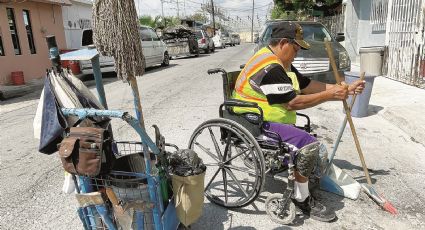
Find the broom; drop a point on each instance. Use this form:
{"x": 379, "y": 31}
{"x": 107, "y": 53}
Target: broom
{"x": 367, "y": 188}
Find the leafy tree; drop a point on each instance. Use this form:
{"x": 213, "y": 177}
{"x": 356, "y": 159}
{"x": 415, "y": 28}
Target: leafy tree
{"x": 147, "y": 20}
{"x": 198, "y": 16}
{"x": 298, "y": 9}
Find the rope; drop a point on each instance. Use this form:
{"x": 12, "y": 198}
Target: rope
{"x": 116, "y": 34}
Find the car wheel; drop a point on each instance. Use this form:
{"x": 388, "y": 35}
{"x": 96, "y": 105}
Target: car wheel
{"x": 207, "y": 50}
{"x": 166, "y": 60}
{"x": 213, "y": 49}
{"x": 197, "y": 53}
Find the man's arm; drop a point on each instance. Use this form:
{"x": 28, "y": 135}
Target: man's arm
{"x": 316, "y": 87}
{"x": 324, "y": 92}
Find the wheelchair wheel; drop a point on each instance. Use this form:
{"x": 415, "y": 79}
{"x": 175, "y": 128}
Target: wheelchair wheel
{"x": 224, "y": 145}
{"x": 280, "y": 213}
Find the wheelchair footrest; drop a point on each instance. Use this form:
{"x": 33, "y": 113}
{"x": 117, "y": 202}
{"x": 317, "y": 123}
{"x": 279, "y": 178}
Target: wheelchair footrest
{"x": 282, "y": 176}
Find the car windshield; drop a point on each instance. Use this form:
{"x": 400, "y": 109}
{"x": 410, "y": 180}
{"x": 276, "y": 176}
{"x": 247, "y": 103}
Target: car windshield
{"x": 315, "y": 32}
{"x": 198, "y": 34}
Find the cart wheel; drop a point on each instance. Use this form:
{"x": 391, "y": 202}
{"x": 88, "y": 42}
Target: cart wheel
{"x": 224, "y": 145}
{"x": 273, "y": 204}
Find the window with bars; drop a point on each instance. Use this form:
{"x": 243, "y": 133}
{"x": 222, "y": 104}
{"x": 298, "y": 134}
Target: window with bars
{"x": 13, "y": 30}
{"x": 378, "y": 16}
{"x": 28, "y": 28}
{"x": 1, "y": 45}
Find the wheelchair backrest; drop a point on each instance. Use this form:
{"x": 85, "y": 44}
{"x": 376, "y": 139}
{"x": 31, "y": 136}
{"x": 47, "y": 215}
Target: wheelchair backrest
{"x": 229, "y": 82}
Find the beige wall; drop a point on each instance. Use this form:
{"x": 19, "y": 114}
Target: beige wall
{"x": 46, "y": 19}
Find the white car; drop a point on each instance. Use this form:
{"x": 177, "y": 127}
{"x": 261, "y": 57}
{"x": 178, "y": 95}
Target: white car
{"x": 154, "y": 50}
{"x": 219, "y": 41}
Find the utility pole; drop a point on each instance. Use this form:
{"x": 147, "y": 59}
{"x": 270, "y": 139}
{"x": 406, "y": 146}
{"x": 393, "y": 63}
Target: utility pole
{"x": 213, "y": 16}
{"x": 252, "y": 22}
{"x": 178, "y": 15}
{"x": 162, "y": 9}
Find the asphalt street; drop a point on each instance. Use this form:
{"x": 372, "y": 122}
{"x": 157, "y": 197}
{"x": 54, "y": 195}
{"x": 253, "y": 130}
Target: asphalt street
{"x": 180, "y": 97}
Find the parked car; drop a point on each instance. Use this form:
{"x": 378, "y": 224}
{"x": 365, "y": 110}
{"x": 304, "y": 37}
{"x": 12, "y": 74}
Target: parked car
{"x": 205, "y": 42}
{"x": 227, "y": 39}
{"x": 313, "y": 63}
{"x": 236, "y": 39}
{"x": 154, "y": 50}
{"x": 219, "y": 41}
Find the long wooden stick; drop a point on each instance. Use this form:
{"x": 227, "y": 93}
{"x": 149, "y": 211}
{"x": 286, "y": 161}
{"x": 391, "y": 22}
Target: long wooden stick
{"x": 348, "y": 112}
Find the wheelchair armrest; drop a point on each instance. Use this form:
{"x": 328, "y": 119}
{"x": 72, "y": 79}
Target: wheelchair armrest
{"x": 239, "y": 103}
{"x": 306, "y": 127}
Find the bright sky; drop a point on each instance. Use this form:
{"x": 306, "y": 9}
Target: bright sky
{"x": 233, "y": 8}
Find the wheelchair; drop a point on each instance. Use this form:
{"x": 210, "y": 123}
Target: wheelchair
{"x": 241, "y": 153}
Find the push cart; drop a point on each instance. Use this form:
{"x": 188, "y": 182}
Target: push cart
{"x": 140, "y": 191}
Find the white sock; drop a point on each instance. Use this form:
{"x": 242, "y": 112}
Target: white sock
{"x": 301, "y": 191}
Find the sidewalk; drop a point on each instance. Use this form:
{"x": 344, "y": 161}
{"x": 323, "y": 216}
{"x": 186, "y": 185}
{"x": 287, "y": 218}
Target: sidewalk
{"x": 400, "y": 104}
{"x": 11, "y": 91}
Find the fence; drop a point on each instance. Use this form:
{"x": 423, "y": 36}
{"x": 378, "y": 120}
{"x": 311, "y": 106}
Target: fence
{"x": 404, "y": 56}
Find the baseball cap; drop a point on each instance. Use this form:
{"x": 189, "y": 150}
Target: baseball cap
{"x": 290, "y": 30}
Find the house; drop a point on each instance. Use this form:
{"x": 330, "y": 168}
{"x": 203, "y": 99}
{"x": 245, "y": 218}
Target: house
{"x": 23, "y": 28}
{"x": 395, "y": 25}
{"x": 76, "y": 18}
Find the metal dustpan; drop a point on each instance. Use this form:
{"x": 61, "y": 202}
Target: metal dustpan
{"x": 337, "y": 181}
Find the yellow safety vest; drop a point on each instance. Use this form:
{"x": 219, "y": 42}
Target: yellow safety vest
{"x": 244, "y": 91}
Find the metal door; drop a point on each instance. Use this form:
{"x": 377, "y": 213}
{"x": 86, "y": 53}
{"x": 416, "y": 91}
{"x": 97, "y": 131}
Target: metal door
{"x": 404, "y": 59}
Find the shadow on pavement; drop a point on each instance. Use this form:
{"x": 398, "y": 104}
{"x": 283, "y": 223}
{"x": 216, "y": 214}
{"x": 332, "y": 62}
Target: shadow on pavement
{"x": 347, "y": 165}
{"x": 213, "y": 218}
{"x": 374, "y": 109}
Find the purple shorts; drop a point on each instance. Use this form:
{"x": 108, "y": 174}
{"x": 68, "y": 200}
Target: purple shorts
{"x": 290, "y": 134}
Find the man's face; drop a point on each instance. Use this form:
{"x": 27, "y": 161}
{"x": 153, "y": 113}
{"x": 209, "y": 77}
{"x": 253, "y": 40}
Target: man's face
{"x": 289, "y": 50}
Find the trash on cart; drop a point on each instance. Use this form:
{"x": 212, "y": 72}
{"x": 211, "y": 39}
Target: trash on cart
{"x": 188, "y": 173}
{"x": 186, "y": 162}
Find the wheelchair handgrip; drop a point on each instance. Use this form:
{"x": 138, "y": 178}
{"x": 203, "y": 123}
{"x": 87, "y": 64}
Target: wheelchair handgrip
{"x": 216, "y": 70}
{"x": 239, "y": 103}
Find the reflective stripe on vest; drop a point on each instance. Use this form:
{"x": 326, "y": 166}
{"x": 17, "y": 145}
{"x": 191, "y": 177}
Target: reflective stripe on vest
{"x": 244, "y": 91}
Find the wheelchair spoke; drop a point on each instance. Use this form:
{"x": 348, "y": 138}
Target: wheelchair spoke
{"x": 235, "y": 156}
{"x": 211, "y": 164}
{"x": 245, "y": 170}
{"x": 227, "y": 148}
{"x": 207, "y": 151}
{"x": 212, "y": 179}
{"x": 225, "y": 184}
{"x": 217, "y": 148}
{"x": 236, "y": 181}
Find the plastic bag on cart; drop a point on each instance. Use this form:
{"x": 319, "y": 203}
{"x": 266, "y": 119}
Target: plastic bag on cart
{"x": 186, "y": 162}
{"x": 187, "y": 174}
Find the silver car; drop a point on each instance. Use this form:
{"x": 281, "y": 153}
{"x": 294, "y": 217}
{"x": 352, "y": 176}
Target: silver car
{"x": 154, "y": 50}
{"x": 313, "y": 63}
{"x": 205, "y": 42}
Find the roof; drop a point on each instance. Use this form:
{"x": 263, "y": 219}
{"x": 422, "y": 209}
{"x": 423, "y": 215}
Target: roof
{"x": 55, "y": 2}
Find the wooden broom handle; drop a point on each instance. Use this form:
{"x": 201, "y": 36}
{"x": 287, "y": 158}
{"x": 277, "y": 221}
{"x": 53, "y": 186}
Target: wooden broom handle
{"x": 347, "y": 112}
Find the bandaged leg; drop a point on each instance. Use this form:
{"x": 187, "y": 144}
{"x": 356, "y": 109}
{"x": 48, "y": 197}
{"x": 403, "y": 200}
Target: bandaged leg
{"x": 301, "y": 191}
{"x": 306, "y": 159}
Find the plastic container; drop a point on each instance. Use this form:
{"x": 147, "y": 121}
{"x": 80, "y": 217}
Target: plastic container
{"x": 17, "y": 78}
{"x": 360, "y": 107}
{"x": 371, "y": 59}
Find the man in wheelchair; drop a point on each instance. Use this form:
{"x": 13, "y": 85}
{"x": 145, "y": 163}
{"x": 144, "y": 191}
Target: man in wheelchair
{"x": 270, "y": 80}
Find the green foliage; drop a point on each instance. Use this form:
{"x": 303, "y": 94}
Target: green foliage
{"x": 147, "y": 20}
{"x": 158, "y": 21}
{"x": 296, "y": 9}
{"x": 199, "y": 17}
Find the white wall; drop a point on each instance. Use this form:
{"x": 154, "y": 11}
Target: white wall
{"x": 76, "y": 17}
{"x": 359, "y": 28}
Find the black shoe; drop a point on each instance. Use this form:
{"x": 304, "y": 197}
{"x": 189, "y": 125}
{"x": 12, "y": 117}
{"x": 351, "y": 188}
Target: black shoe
{"x": 315, "y": 210}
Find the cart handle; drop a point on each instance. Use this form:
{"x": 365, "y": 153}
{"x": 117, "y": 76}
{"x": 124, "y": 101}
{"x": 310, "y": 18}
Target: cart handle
{"x": 133, "y": 122}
